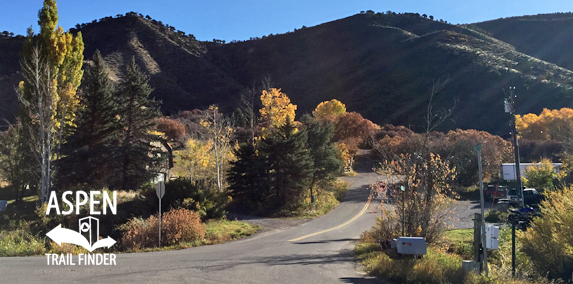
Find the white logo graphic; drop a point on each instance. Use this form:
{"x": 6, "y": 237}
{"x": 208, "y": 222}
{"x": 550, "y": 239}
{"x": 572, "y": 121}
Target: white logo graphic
{"x": 86, "y": 225}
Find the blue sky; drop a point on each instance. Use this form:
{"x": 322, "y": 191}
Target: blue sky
{"x": 242, "y": 19}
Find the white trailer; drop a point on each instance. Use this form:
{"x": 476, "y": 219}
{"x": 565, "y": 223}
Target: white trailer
{"x": 508, "y": 169}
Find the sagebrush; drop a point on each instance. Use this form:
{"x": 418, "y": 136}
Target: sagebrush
{"x": 177, "y": 225}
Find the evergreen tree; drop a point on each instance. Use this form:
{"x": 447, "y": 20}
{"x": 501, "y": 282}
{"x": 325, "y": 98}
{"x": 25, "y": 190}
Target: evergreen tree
{"x": 248, "y": 178}
{"x": 89, "y": 149}
{"x": 139, "y": 154}
{"x": 290, "y": 166}
{"x": 13, "y": 154}
{"x": 322, "y": 151}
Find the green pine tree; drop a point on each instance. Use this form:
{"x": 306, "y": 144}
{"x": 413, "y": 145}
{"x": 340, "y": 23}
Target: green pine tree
{"x": 273, "y": 175}
{"x": 322, "y": 151}
{"x": 90, "y": 148}
{"x": 13, "y": 156}
{"x": 290, "y": 166}
{"x": 249, "y": 179}
{"x": 140, "y": 156}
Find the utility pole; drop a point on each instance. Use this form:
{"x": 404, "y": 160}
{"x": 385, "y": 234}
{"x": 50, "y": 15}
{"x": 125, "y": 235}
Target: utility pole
{"x": 477, "y": 148}
{"x": 510, "y": 108}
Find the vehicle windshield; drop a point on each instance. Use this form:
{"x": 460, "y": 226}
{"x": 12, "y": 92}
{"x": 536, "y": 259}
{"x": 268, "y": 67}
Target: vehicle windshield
{"x": 511, "y": 192}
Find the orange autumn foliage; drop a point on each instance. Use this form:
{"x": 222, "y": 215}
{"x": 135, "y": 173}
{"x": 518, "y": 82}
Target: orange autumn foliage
{"x": 556, "y": 124}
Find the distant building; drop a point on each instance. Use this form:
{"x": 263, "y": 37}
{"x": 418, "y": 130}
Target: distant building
{"x": 508, "y": 169}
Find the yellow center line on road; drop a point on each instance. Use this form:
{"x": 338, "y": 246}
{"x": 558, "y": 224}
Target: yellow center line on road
{"x": 337, "y": 227}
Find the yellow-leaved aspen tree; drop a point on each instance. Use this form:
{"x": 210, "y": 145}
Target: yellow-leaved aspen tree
{"x": 332, "y": 108}
{"x": 54, "y": 61}
{"x": 220, "y": 132}
{"x": 64, "y": 53}
{"x": 195, "y": 158}
{"x": 276, "y": 109}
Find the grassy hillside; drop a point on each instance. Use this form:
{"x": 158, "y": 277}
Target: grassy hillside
{"x": 179, "y": 72}
{"x": 382, "y": 66}
{"x": 9, "y": 76}
{"x": 548, "y": 36}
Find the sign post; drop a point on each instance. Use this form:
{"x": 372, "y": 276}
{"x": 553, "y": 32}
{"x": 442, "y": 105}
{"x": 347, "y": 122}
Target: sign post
{"x": 403, "y": 189}
{"x": 160, "y": 190}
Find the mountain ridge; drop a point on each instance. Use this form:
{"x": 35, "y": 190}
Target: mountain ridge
{"x": 381, "y": 65}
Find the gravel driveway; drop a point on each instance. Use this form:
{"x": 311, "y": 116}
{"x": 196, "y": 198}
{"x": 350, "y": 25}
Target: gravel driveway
{"x": 463, "y": 212}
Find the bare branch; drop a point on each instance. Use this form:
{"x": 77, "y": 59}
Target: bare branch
{"x": 37, "y": 100}
{"x": 433, "y": 120}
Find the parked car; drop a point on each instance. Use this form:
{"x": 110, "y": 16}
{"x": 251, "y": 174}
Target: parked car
{"x": 531, "y": 195}
{"x": 495, "y": 192}
{"x": 512, "y": 197}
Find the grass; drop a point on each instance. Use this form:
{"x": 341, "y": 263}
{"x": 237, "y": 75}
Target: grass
{"x": 436, "y": 267}
{"x": 221, "y": 231}
{"x": 31, "y": 198}
{"x": 178, "y": 246}
{"x": 326, "y": 200}
{"x": 17, "y": 239}
{"x": 460, "y": 235}
{"x": 460, "y": 242}
{"x": 24, "y": 210}
{"x": 216, "y": 232}
{"x": 339, "y": 189}
{"x": 442, "y": 264}
{"x": 20, "y": 242}
{"x": 496, "y": 216}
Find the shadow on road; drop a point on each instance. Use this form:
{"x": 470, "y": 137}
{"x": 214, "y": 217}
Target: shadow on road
{"x": 358, "y": 195}
{"x": 325, "y": 241}
{"x": 356, "y": 280}
{"x": 363, "y": 163}
{"x": 284, "y": 260}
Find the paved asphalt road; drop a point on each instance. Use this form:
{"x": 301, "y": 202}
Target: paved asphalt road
{"x": 268, "y": 257}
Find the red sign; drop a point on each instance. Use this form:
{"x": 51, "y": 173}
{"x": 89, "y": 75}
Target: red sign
{"x": 382, "y": 185}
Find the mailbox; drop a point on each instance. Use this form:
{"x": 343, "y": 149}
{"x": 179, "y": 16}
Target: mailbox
{"x": 411, "y": 245}
{"x": 3, "y": 205}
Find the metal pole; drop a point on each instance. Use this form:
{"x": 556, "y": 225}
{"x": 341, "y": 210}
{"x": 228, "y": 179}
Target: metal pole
{"x": 516, "y": 148}
{"x": 477, "y": 236}
{"x": 513, "y": 245}
{"x": 403, "y": 213}
{"x": 478, "y": 150}
{"x": 159, "y": 222}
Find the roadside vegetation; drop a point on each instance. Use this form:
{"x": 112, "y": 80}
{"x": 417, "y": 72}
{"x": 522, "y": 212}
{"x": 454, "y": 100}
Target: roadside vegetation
{"x": 443, "y": 262}
{"x": 540, "y": 256}
{"x": 436, "y": 169}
